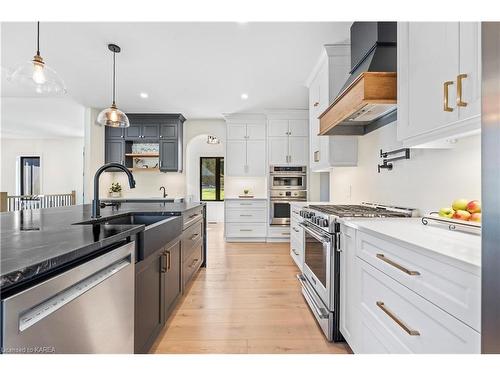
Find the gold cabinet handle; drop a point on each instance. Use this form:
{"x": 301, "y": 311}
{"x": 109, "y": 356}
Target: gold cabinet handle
{"x": 316, "y": 104}
{"x": 460, "y": 102}
{"x": 316, "y": 156}
{"x": 398, "y": 321}
{"x": 446, "y": 108}
{"x": 398, "y": 266}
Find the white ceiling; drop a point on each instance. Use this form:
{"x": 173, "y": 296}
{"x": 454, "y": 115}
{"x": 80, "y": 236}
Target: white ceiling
{"x": 197, "y": 69}
{"x": 41, "y": 118}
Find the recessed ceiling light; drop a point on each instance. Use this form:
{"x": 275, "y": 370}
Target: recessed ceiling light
{"x": 144, "y": 95}
{"x": 244, "y": 96}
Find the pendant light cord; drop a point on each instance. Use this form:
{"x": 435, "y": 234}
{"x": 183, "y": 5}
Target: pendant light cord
{"x": 114, "y": 76}
{"x": 38, "y": 38}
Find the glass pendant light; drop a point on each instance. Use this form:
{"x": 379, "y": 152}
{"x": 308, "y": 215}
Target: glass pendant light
{"x": 37, "y": 75}
{"x": 112, "y": 116}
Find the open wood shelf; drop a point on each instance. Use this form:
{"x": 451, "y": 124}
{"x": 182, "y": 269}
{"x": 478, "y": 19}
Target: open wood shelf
{"x": 144, "y": 155}
{"x": 144, "y": 169}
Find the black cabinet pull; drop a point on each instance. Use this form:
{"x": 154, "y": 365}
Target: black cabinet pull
{"x": 163, "y": 261}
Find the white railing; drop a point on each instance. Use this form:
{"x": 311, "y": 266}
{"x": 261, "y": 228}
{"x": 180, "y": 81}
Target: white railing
{"x": 32, "y": 202}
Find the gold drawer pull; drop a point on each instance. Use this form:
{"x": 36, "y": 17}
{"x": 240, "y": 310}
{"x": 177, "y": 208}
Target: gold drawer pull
{"x": 246, "y": 230}
{"x": 446, "y": 107}
{"x": 460, "y": 103}
{"x": 398, "y": 266}
{"x": 391, "y": 315}
{"x": 194, "y": 236}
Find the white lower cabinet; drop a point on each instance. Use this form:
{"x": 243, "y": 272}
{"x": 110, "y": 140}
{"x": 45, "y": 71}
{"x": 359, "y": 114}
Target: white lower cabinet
{"x": 245, "y": 220}
{"x": 397, "y": 299}
{"x": 349, "y": 287}
{"x": 404, "y": 322}
{"x": 296, "y": 235}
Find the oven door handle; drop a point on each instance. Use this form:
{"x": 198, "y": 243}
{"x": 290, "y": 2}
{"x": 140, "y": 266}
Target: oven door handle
{"x": 320, "y": 311}
{"x": 320, "y": 237}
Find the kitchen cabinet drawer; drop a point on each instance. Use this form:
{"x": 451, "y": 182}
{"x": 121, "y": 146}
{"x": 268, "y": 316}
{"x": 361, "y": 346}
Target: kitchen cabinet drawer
{"x": 190, "y": 238}
{"x": 278, "y": 231}
{"x": 246, "y": 203}
{"x": 247, "y": 215}
{"x": 190, "y": 217}
{"x": 245, "y": 230}
{"x": 192, "y": 264}
{"x": 450, "y": 288}
{"x": 404, "y": 322}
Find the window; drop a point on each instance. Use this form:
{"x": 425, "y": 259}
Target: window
{"x": 212, "y": 179}
{"x": 30, "y": 175}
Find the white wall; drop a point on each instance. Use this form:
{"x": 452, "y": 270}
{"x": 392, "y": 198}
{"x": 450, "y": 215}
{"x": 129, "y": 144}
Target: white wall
{"x": 61, "y": 164}
{"x": 431, "y": 179}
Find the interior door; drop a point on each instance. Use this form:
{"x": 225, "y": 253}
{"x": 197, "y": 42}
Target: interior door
{"x": 433, "y": 53}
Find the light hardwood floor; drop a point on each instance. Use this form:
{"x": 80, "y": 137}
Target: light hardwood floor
{"x": 246, "y": 301}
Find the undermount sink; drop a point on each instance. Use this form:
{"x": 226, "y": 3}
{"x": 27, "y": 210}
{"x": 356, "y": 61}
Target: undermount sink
{"x": 160, "y": 229}
{"x": 136, "y": 219}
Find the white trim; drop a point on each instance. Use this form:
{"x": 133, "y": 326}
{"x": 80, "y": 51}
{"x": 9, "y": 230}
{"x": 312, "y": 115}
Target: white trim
{"x": 321, "y": 59}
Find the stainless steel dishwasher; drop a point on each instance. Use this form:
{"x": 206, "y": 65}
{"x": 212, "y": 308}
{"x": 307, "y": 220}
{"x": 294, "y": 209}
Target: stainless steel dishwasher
{"x": 86, "y": 309}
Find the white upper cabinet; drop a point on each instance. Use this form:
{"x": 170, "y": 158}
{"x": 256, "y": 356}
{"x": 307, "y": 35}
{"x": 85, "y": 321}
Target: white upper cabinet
{"x": 278, "y": 128}
{"x": 438, "y": 81}
{"x": 288, "y": 141}
{"x": 325, "y": 82}
{"x": 245, "y": 147}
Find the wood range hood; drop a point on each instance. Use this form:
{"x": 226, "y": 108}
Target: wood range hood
{"x": 370, "y": 97}
{"x": 368, "y": 100}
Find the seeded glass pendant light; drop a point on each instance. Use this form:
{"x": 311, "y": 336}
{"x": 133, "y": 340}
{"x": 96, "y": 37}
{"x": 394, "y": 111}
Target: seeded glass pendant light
{"x": 112, "y": 116}
{"x": 36, "y": 75}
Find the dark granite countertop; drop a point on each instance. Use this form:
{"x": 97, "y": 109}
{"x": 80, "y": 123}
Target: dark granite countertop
{"x": 34, "y": 242}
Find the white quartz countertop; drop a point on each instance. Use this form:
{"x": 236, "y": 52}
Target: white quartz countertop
{"x": 461, "y": 246}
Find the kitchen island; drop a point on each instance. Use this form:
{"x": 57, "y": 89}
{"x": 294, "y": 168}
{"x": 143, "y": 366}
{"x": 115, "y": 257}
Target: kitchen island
{"x": 166, "y": 243}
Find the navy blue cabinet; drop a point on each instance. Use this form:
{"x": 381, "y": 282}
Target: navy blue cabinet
{"x": 161, "y": 128}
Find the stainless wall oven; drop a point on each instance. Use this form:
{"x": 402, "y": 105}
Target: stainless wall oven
{"x": 286, "y": 184}
{"x": 280, "y": 205}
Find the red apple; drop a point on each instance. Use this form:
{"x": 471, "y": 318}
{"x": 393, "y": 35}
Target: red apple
{"x": 462, "y": 215}
{"x": 476, "y": 216}
{"x": 473, "y": 207}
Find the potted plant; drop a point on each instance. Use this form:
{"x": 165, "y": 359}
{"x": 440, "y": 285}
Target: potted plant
{"x": 115, "y": 191}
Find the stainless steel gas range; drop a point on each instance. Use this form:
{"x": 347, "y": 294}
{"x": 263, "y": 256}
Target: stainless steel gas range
{"x": 321, "y": 272}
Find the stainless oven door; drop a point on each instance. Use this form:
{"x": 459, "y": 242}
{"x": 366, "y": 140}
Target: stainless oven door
{"x": 280, "y": 212}
{"x": 318, "y": 262}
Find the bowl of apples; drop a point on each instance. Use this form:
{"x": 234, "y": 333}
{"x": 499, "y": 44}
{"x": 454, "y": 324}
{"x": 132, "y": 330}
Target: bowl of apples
{"x": 464, "y": 210}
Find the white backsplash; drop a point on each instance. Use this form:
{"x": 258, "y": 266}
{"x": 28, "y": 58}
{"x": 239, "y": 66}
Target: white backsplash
{"x": 234, "y": 186}
{"x": 148, "y": 184}
{"x": 431, "y": 179}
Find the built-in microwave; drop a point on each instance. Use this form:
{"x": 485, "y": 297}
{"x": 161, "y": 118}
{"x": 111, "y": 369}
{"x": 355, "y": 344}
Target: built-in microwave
{"x": 288, "y": 178}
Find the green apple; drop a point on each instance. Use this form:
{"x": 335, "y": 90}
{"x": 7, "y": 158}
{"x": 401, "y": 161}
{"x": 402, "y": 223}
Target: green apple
{"x": 460, "y": 204}
{"x": 446, "y": 212}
